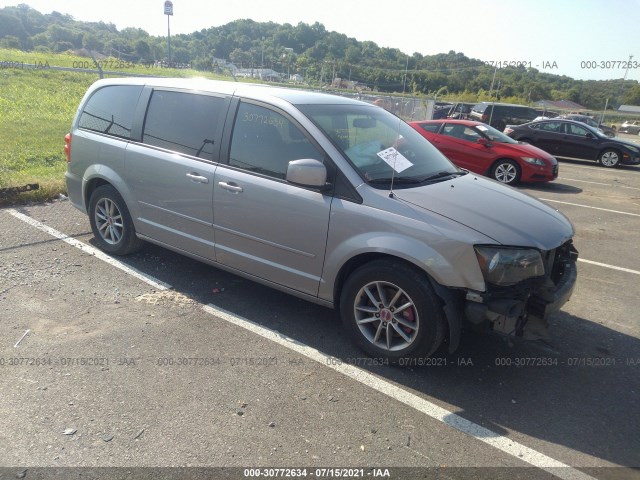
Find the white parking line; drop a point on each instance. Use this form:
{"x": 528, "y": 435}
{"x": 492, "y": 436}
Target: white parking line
{"x": 605, "y": 265}
{"x": 589, "y": 206}
{"x": 90, "y": 250}
{"x": 565, "y": 166}
{"x": 501, "y": 442}
{"x": 584, "y": 181}
{"x": 598, "y": 183}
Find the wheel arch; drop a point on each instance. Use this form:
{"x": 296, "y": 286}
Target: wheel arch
{"x": 602, "y": 150}
{"x": 98, "y": 175}
{"x": 450, "y": 299}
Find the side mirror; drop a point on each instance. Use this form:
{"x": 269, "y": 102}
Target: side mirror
{"x": 589, "y": 135}
{"x": 484, "y": 141}
{"x": 307, "y": 173}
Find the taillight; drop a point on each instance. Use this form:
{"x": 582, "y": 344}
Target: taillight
{"x": 67, "y": 146}
{"x": 484, "y": 118}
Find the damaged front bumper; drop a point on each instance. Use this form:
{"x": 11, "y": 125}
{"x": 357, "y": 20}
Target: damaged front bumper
{"x": 522, "y": 310}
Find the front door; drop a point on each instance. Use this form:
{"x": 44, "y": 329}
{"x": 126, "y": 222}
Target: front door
{"x": 265, "y": 226}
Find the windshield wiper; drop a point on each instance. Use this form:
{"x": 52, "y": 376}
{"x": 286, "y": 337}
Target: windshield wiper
{"x": 442, "y": 175}
{"x": 414, "y": 180}
{"x": 397, "y": 180}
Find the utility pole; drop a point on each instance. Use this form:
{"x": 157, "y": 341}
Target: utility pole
{"x": 168, "y": 11}
{"x": 493, "y": 80}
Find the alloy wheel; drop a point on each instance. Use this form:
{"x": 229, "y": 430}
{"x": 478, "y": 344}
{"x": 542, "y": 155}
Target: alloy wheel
{"x": 386, "y": 316}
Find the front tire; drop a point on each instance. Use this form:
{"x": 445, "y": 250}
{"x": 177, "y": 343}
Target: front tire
{"x": 506, "y": 171}
{"x": 111, "y": 222}
{"x": 391, "y": 311}
{"x": 609, "y": 158}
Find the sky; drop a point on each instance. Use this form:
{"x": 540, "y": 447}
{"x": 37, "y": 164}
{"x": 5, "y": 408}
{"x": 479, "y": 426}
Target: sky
{"x": 584, "y": 39}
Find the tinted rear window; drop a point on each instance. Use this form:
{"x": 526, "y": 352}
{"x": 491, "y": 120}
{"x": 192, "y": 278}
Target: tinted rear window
{"x": 110, "y": 110}
{"x": 183, "y": 122}
{"x": 518, "y": 112}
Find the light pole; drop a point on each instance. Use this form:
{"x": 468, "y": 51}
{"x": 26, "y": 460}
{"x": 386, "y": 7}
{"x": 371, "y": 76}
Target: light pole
{"x": 168, "y": 11}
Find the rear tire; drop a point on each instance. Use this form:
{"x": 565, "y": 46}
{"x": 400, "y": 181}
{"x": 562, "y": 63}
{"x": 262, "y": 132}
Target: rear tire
{"x": 391, "y": 311}
{"x": 111, "y": 222}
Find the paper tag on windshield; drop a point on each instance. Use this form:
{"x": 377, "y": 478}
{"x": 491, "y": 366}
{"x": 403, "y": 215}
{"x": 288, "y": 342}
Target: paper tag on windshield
{"x": 395, "y": 159}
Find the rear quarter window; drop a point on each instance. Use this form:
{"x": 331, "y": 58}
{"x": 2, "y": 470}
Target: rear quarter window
{"x": 110, "y": 110}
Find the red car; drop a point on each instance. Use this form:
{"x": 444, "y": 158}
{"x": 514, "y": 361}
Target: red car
{"x": 482, "y": 149}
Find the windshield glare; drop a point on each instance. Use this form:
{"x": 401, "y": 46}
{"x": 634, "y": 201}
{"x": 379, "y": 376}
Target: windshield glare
{"x": 378, "y": 144}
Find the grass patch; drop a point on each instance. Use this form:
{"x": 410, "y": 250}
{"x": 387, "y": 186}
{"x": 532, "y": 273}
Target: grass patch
{"x": 36, "y": 110}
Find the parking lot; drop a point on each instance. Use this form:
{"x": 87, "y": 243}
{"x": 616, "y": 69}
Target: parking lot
{"x": 155, "y": 360}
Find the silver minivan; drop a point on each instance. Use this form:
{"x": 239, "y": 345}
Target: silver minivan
{"x": 330, "y": 199}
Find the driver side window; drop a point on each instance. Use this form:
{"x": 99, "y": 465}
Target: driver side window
{"x": 461, "y": 132}
{"x": 265, "y": 141}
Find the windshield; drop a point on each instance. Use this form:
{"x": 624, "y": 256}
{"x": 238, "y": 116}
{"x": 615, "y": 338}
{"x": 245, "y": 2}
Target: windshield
{"x": 494, "y": 135}
{"x": 379, "y": 145}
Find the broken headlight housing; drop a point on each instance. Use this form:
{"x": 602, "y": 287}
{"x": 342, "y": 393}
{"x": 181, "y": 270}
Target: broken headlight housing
{"x": 506, "y": 266}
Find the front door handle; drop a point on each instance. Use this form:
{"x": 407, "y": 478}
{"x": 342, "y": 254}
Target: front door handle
{"x": 231, "y": 187}
{"x": 197, "y": 178}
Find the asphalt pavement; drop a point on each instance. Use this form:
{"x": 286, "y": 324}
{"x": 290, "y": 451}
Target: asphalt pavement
{"x": 155, "y": 360}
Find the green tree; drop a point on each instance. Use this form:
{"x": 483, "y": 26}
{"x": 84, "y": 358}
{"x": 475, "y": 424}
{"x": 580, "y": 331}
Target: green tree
{"x": 632, "y": 95}
{"x": 143, "y": 51}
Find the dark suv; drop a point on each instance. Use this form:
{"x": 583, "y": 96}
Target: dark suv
{"x": 499, "y": 115}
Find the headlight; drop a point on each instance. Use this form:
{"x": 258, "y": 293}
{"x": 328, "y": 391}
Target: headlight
{"x": 508, "y": 266}
{"x": 535, "y": 161}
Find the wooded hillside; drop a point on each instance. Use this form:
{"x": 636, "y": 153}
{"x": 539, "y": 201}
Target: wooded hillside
{"x": 315, "y": 53}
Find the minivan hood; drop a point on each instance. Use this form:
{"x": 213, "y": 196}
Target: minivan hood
{"x": 502, "y": 213}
